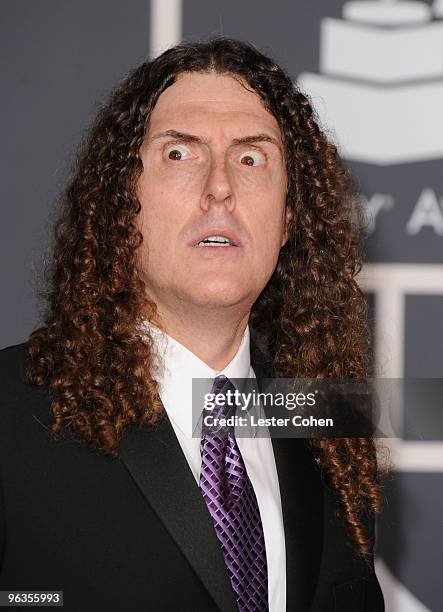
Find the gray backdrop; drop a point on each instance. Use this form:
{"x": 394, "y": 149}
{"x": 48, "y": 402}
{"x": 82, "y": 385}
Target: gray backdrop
{"x": 59, "y": 61}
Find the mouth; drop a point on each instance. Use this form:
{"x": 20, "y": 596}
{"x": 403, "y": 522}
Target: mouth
{"x": 220, "y": 239}
{"x": 215, "y": 241}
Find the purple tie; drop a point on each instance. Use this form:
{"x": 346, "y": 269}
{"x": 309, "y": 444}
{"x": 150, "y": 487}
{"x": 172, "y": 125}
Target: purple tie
{"x": 232, "y": 503}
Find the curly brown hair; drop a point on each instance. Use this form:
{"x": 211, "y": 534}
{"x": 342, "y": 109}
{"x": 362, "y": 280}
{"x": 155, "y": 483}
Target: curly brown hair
{"x": 311, "y": 315}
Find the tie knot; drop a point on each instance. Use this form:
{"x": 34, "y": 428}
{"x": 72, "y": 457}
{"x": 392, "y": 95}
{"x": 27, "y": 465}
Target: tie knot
{"x": 222, "y": 384}
{"x": 224, "y": 407}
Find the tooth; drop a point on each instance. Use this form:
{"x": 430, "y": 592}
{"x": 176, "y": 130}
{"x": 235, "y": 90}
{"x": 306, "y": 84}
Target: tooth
{"x": 219, "y": 240}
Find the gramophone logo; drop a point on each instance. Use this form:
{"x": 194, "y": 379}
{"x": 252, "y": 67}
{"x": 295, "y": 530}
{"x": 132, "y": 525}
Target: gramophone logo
{"x": 381, "y": 80}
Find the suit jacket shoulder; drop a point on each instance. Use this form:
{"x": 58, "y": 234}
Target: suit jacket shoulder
{"x": 20, "y": 402}
{"x": 12, "y": 365}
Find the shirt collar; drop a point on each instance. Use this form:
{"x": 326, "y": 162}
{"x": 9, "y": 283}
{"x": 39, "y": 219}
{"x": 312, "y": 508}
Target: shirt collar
{"x": 178, "y": 366}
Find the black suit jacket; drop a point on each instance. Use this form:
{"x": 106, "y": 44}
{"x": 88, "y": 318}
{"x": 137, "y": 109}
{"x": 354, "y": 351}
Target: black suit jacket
{"x": 133, "y": 533}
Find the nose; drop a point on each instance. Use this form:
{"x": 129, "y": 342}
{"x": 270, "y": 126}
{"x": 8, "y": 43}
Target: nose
{"x": 218, "y": 187}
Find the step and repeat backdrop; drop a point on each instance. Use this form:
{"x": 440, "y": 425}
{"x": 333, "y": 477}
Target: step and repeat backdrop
{"x": 374, "y": 72}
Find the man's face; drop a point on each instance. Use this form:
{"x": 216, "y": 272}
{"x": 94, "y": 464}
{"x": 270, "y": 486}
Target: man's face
{"x": 213, "y": 166}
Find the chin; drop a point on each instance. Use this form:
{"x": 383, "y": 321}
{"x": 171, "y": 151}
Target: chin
{"x": 216, "y": 293}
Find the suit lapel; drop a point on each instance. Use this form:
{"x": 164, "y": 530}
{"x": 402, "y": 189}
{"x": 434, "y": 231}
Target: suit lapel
{"x": 156, "y": 462}
{"x": 301, "y": 493}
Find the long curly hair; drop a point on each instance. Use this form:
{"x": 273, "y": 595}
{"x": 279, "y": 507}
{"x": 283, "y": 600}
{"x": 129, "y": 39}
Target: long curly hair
{"x": 311, "y": 315}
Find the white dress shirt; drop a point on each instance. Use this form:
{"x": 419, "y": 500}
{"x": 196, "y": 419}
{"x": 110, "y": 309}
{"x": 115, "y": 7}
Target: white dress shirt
{"x": 177, "y": 367}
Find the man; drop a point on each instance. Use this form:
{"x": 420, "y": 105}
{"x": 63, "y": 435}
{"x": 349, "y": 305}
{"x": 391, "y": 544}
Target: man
{"x": 209, "y": 231}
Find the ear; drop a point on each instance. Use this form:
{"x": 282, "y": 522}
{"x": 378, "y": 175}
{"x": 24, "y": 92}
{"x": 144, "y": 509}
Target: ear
{"x": 288, "y": 216}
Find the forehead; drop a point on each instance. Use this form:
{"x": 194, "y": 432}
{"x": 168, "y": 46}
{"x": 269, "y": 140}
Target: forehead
{"x": 211, "y": 100}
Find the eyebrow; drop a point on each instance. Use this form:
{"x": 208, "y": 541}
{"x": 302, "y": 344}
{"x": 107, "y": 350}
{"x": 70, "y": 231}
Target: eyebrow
{"x": 183, "y": 136}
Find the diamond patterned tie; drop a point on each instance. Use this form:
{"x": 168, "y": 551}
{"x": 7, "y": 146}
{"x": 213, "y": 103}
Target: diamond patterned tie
{"x": 231, "y": 501}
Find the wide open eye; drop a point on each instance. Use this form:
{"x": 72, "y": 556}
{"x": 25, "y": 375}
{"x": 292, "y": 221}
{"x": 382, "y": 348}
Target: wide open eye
{"x": 177, "y": 152}
{"x": 252, "y": 158}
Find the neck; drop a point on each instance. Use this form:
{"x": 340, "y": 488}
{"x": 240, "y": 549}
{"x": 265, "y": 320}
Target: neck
{"x": 213, "y": 336}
